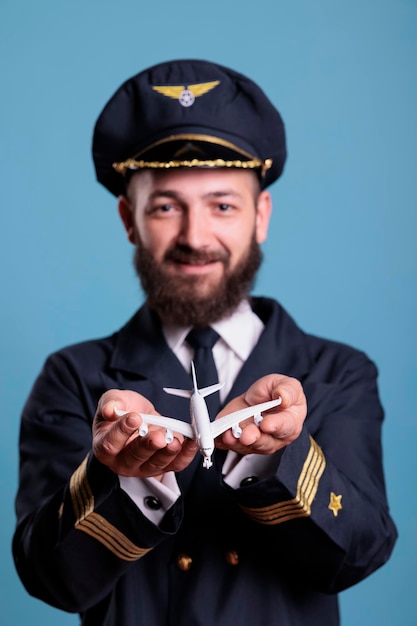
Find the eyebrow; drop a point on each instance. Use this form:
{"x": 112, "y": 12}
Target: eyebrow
{"x": 223, "y": 192}
{"x": 171, "y": 193}
{"x": 165, "y": 193}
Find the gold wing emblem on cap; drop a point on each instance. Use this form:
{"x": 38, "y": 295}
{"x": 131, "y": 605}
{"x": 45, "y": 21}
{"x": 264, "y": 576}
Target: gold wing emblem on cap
{"x": 200, "y": 88}
{"x": 185, "y": 94}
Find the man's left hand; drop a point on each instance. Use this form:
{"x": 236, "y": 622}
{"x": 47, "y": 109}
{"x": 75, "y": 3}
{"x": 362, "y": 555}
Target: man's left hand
{"x": 279, "y": 426}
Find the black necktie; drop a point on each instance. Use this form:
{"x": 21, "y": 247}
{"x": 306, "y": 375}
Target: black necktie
{"x": 203, "y": 340}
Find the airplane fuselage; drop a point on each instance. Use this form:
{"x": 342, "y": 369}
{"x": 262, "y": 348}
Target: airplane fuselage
{"x": 200, "y": 422}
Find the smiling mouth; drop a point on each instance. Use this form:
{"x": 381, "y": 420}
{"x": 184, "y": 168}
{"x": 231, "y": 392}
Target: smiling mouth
{"x": 199, "y": 263}
{"x": 197, "y": 268}
{"x": 195, "y": 258}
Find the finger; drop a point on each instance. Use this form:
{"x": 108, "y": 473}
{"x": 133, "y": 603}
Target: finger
{"x": 154, "y": 443}
{"x": 111, "y": 440}
{"x": 123, "y": 400}
{"x": 290, "y": 391}
{"x": 274, "y": 432}
{"x": 172, "y": 457}
{"x": 286, "y": 426}
{"x": 181, "y": 461}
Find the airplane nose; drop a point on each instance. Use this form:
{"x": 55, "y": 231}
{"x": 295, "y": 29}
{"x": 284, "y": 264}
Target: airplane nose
{"x": 207, "y": 463}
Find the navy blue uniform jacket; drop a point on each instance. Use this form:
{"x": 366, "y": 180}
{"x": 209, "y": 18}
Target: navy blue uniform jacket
{"x": 275, "y": 552}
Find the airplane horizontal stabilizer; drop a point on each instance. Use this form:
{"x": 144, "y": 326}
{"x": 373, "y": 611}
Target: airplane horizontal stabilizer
{"x": 206, "y": 391}
{"x": 182, "y": 393}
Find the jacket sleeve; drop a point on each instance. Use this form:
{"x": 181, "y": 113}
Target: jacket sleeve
{"x": 77, "y": 530}
{"x": 324, "y": 514}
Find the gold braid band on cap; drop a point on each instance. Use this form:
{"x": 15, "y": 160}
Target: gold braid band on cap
{"x": 249, "y": 161}
{"x": 132, "y": 164}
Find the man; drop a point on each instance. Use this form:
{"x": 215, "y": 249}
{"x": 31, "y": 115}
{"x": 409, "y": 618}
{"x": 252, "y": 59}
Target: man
{"x": 128, "y": 528}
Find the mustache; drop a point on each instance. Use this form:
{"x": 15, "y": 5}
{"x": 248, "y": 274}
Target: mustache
{"x": 185, "y": 254}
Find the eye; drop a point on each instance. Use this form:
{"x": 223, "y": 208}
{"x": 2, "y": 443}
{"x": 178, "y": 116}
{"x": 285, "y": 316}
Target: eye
{"x": 223, "y": 207}
{"x": 161, "y": 209}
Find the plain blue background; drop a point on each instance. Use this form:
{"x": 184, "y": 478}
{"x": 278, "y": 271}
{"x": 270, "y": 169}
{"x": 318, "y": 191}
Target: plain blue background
{"x": 341, "y": 255}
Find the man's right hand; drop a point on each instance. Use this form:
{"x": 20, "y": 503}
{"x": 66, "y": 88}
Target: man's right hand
{"x": 117, "y": 444}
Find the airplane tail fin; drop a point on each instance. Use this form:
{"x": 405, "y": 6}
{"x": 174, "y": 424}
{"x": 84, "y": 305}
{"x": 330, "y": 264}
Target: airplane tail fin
{"x": 204, "y": 391}
{"x": 187, "y": 393}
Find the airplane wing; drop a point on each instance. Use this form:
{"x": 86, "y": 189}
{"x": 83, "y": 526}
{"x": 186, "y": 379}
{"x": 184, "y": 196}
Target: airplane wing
{"x": 169, "y": 423}
{"x": 230, "y": 420}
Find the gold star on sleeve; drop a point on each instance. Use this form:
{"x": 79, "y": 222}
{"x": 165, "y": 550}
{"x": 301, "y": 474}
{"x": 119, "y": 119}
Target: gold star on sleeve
{"x": 335, "y": 503}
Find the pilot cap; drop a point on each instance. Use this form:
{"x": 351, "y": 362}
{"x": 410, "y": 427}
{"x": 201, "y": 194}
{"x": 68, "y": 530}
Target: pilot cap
{"x": 188, "y": 113}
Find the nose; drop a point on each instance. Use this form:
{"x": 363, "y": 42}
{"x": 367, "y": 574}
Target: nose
{"x": 195, "y": 229}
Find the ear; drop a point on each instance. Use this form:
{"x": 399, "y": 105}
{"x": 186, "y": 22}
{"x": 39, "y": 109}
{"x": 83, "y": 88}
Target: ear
{"x": 126, "y": 214}
{"x": 263, "y": 214}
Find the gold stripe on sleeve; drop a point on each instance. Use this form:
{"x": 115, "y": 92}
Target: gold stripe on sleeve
{"x": 94, "y": 524}
{"x": 81, "y": 495}
{"x": 307, "y": 486}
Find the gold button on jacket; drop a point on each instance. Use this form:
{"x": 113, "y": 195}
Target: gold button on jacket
{"x": 232, "y": 557}
{"x": 184, "y": 562}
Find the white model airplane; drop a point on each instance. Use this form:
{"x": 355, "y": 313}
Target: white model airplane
{"x": 201, "y": 428}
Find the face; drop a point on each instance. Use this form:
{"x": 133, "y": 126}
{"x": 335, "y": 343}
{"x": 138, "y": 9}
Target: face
{"x": 197, "y": 235}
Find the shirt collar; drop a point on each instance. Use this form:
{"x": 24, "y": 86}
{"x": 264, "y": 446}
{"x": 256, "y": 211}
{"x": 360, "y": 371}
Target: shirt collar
{"x": 240, "y": 331}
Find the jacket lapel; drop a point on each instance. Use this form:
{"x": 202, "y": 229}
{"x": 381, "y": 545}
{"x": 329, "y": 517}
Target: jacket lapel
{"x": 281, "y": 348}
{"x": 148, "y": 364}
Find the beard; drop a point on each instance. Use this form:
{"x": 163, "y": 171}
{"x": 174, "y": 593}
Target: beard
{"x": 179, "y": 300}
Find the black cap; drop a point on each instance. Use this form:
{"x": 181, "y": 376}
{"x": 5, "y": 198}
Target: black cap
{"x": 188, "y": 113}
